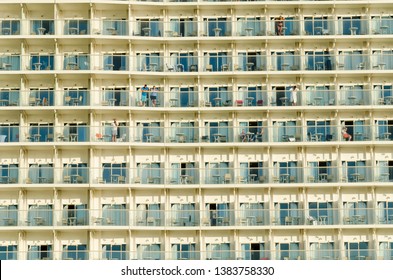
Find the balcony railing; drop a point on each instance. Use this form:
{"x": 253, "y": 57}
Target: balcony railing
{"x": 217, "y": 62}
{"x": 318, "y": 25}
{"x": 153, "y": 133}
{"x": 220, "y": 251}
{"x": 248, "y": 217}
{"x": 282, "y": 173}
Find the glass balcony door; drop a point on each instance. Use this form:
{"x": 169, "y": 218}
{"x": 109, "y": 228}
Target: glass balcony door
{"x": 41, "y": 173}
{"x": 8, "y": 215}
{"x": 9, "y": 173}
{"x": 75, "y": 214}
{"x": 322, "y": 251}
{"x": 9, "y": 132}
{"x": 356, "y": 250}
{"x": 114, "y": 252}
{"x": 112, "y": 171}
{"x": 114, "y": 214}
{"x": 219, "y": 251}
{"x": 75, "y": 252}
{"x": 287, "y": 251}
{"x": 150, "y": 173}
{"x": 184, "y": 252}
{"x": 40, "y": 215}
{"x": 253, "y": 251}
{"x": 218, "y": 213}
{"x": 286, "y": 212}
{"x": 40, "y": 252}
{"x": 8, "y": 252}
{"x": 321, "y": 212}
{"x": 216, "y": 172}
{"x": 149, "y": 251}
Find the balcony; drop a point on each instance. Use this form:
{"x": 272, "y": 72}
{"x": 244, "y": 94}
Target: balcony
{"x": 251, "y": 215}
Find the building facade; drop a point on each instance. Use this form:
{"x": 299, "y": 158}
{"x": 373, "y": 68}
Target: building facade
{"x": 223, "y": 159}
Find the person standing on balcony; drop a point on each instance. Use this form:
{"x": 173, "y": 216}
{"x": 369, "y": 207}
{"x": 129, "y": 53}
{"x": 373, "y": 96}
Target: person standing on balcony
{"x": 328, "y": 62}
{"x": 144, "y": 95}
{"x": 114, "y": 126}
{"x": 153, "y": 96}
{"x": 280, "y": 26}
{"x": 345, "y": 134}
{"x": 294, "y": 92}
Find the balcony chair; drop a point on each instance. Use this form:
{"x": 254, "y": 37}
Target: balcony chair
{"x": 242, "y": 180}
{"x": 261, "y": 179}
{"x": 259, "y": 220}
{"x": 190, "y": 179}
{"x": 225, "y": 221}
{"x": 121, "y": 180}
{"x": 239, "y": 102}
{"x": 109, "y": 221}
{"x": 170, "y": 68}
{"x": 137, "y": 180}
{"x": 67, "y": 179}
{"x": 175, "y": 222}
{"x": 67, "y": 100}
{"x": 227, "y": 178}
{"x": 205, "y": 222}
{"x": 79, "y": 180}
{"x": 151, "y": 221}
{"x": 99, "y": 137}
{"x": 28, "y": 181}
{"x": 100, "y": 180}
{"x": 243, "y": 221}
{"x": 288, "y": 220}
{"x": 310, "y": 179}
{"x": 209, "y": 67}
{"x": 276, "y": 179}
{"x": 292, "y": 179}
{"x": 49, "y": 138}
{"x": 260, "y": 102}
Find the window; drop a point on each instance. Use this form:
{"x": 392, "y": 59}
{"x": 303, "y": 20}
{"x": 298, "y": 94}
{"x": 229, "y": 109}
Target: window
{"x": 76, "y": 27}
{"x": 115, "y": 96}
{"x": 318, "y": 25}
{"x": 75, "y": 252}
{"x": 116, "y": 62}
{"x": 251, "y": 171}
{"x": 40, "y": 252}
{"x": 76, "y": 96}
{"x": 218, "y": 251}
{"x": 113, "y": 171}
{"x": 9, "y": 132}
{"x": 184, "y": 214}
{"x": 148, "y": 131}
{"x": 322, "y": 212}
{"x": 356, "y": 250}
{"x": 9, "y": 215}
{"x": 183, "y": 27}
{"x": 150, "y": 173}
{"x": 42, "y": 27}
{"x": 76, "y": 61}
{"x": 217, "y": 60}
{"x": 75, "y": 215}
{"x": 114, "y": 252}
{"x": 41, "y": 96}
{"x": 218, "y": 131}
{"x": 42, "y": 62}
{"x": 354, "y": 171}
{"x": 41, "y": 173}
{"x": 149, "y": 252}
{"x": 253, "y": 251}
{"x": 384, "y": 212}
{"x": 40, "y": 215}
{"x": 149, "y": 214}
{"x": 9, "y": 252}
{"x": 252, "y": 213}
{"x": 9, "y": 173}
{"x": 219, "y": 214}
{"x": 355, "y": 212}
{"x": 9, "y": 97}
{"x": 184, "y": 173}
{"x": 323, "y": 251}
{"x": 216, "y": 172}
{"x": 385, "y": 251}
{"x": 288, "y": 251}
{"x": 285, "y": 172}
{"x": 184, "y": 252}
{"x": 78, "y": 172}
{"x": 287, "y": 213}
{"x": 115, "y": 27}
{"x": 319, "y": 131}
{"x": 114, "y": 214}
{"x": 149, "y": 27}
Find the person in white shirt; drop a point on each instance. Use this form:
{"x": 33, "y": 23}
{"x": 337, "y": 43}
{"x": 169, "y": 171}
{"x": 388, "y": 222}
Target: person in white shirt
{"x": 294, "y": 95}
{"x": 114, "y": 130}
